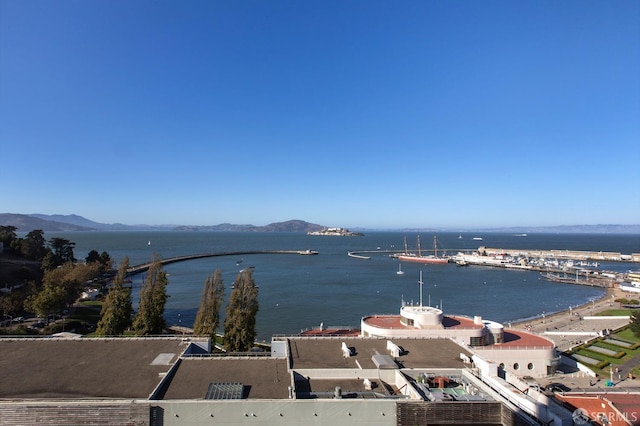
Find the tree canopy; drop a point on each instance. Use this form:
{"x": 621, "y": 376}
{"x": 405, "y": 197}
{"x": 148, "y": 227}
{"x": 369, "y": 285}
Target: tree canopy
{"x": 61, "y": 251}
{"x": 153, "y": 296}
{"x": 60, "y": 287}
{"x": 208, "y": 316}
{"x": 103, "y": 259}
{"x": 8, "y": 235}
{"x": 117, "y": 309}
{"x": 33, "y": 245}
{"x": 635, "y": 323}
{"x": 240, "y": 321}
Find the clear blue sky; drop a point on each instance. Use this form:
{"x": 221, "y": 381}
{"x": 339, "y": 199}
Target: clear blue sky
{"x": 378, "y": 114}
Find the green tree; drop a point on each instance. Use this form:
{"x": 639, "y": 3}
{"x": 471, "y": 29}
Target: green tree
{"x": 240, "y": 322}
{"x": 33, "y": 245}
{"x": 49, "y": 300}
{"x": 635, "y": 323}
{"x": 8, "y": 236}
{"x": 104, "y": 260}
{"x": 92, "y": 256}
{"x": 60, "y": 252}
{"x": 117, "y": 309}
{"x": 72, "y": 278}
{"x": 208, "y": 316}
{"x": 49, "y": 261}
{"x": 153, "y": 297}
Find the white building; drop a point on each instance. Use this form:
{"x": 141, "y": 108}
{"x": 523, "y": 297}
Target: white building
{"x": 517, "y": 352}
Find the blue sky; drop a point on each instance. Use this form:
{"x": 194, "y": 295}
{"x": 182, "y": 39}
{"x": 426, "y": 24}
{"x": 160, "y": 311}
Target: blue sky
{"x": 378, "y": 114}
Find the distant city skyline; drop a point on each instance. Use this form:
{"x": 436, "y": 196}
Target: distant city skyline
{"x": 354, "y": 114}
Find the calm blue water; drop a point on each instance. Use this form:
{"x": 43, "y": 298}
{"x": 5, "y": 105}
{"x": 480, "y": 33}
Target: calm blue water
{"x": 298, "y": 292}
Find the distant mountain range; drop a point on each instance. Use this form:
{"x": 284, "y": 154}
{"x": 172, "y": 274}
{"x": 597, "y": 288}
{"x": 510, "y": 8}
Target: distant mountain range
{"x": 57, "y": 223}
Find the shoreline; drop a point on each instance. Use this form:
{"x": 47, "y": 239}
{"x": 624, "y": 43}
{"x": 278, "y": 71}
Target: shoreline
{"x": 539, "y": 323}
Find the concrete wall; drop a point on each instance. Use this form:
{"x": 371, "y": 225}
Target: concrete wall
{"x": 276, "y": 412}
{"x": 538, "y": 359}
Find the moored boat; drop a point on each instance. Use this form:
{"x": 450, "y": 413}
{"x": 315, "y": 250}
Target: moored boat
{"x": 419, "y": 258}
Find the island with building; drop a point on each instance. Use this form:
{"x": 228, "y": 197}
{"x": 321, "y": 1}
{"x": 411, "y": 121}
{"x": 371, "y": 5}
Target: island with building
{"x": 336, "y": 232}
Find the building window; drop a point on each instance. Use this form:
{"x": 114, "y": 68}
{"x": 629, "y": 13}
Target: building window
{"x": 530, "y": 366}
{"x": 501, "y": 365}
{"x": 407, "y": 321}
{"x": 477, "y": 341}
{"x": 516, "y": 366}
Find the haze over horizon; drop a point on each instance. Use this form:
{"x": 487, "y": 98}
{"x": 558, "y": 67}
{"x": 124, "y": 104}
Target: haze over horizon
{"x": 355, "y": 114}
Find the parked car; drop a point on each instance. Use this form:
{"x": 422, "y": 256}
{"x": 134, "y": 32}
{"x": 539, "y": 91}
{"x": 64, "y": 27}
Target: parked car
{"x": 39, "y": 324}
{"x": 557, "y": 387}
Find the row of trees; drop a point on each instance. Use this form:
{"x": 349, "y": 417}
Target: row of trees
{"x": 53, "y": 253}
{"x": 116, "y": 314}
{"x": 242, "y": 309}
{"x": 240, "y": 321}
{"x": 62, "y": 279}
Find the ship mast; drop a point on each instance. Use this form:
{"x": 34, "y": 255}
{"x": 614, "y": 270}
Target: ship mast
{"x": 435, "y": 246}
{"x": 420, "y": 282}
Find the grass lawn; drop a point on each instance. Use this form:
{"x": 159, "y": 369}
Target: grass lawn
{"x": 615, "y": 313}
{"x": 625, "y": 335}
{"x": 87, "y": 312}
{"x": 83, "y": 319}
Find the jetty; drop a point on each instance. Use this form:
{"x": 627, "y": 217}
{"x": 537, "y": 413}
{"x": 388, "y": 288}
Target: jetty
{"x": 358, "y": 256}
{"x": 137, "y": 269}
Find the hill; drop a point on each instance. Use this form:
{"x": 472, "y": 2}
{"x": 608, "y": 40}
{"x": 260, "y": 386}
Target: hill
{"x": 288, "y": 226}
{"x": 26, "y": 223}
{"x": 56, "y": 223}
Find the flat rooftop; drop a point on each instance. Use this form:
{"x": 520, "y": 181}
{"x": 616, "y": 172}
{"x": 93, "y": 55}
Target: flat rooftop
{"x": 49, "y": 368}
{"x": 84, "y": 368}
{"x": 262, "y": 377}
{"x": 315, "y": 388}
{"x": 326, "y": 352}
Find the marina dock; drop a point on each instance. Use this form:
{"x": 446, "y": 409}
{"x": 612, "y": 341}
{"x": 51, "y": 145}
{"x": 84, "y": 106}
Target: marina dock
{"x": 597, "y": 256}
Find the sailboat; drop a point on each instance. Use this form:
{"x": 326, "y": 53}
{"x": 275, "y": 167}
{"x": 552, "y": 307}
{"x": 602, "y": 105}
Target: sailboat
{"x": 400, "y": 271}
{"x": 419, "y": 258}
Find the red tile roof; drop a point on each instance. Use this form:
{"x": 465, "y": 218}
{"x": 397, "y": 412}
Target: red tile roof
{"x": 393, "y": 322}
{"x": 620, "y": 409}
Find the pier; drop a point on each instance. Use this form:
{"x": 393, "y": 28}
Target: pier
{"x": 588, "y": 280}
{"x": 137, "y": 269}
{"x": 598, "y": 256}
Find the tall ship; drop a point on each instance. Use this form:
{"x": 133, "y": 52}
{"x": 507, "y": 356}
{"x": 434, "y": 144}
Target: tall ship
{"x": 419, "y": 258}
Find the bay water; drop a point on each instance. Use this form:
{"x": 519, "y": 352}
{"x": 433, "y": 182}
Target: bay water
{"x": 298, "y": 292}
